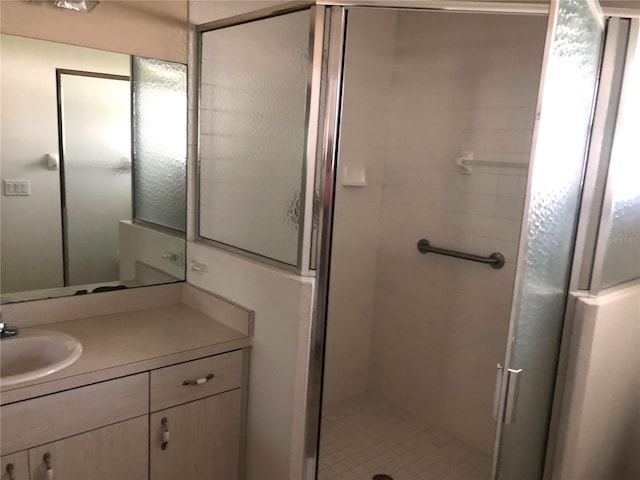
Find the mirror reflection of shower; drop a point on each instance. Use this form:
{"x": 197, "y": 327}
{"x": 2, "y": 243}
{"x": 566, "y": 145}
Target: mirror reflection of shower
{"x": 93, "y": 170}
{"x": 95, "y": 173}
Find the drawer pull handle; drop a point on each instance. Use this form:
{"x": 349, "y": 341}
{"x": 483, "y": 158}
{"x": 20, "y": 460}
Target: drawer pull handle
{"x": 47, "y": 460}
{"x": 165, "y": 433}
{"x": 199, "y": 381}
{"x": 10, "y": 471}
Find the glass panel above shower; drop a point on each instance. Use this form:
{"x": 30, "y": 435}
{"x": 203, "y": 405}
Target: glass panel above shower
{"x": 253, "y": 131}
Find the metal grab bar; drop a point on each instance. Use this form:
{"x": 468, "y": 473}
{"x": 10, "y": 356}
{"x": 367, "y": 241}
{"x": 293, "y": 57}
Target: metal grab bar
{"x": 496, "y": 260}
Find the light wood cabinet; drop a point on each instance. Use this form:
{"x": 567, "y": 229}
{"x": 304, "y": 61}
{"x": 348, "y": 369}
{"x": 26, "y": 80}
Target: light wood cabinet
{"x": 60, "y": 415}
{"x": 204, "y": 439}
{"x": 117, "y": 451}
{"x": 113, "y": 430}
{"x": 15, "y": 466}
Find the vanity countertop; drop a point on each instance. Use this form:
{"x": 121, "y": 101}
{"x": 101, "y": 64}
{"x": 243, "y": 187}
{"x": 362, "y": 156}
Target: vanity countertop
{"x": 127, "y": 343}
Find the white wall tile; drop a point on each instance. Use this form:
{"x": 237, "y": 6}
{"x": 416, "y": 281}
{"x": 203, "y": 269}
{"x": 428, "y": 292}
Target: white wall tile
{"x": 440, "y": 324}
{"x": 368, "y": 67}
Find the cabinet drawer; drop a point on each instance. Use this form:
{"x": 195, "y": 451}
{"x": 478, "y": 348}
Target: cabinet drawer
{"x": 168, "y": 384}
{"x": 45, "y": 419}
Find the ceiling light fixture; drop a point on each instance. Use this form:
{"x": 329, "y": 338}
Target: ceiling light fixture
{"x": 84, "y": 6}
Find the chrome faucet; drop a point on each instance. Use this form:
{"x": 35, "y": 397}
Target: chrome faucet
{"x": 7, "y": 331}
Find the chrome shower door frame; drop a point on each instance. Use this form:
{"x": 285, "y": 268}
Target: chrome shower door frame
{"x": 304, "y": 261}
{"x": 328, "y": 154}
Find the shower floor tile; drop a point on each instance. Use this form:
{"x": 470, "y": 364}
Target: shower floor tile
{"x": 364, "y": 436}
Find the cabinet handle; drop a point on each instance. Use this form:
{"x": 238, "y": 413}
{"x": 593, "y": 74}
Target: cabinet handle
{"x": 199, "y": 381}
{"x": 165, "y": 433}
{"x": 47, "y": 460}
{"x": 10, "y": 471}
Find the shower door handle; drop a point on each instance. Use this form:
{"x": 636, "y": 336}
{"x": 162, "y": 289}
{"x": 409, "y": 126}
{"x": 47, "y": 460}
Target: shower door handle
{"x": 498, "y": 391}
{"x": 511, "y": 396}
{"x": 513, "y": 377}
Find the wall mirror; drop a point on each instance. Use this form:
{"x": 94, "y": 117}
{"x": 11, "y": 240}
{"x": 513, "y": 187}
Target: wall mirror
{"x": 93, "y": 169}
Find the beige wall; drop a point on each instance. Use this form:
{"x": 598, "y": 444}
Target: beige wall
{"x": 150, "y": 28}
{"x": 599, "y": 432}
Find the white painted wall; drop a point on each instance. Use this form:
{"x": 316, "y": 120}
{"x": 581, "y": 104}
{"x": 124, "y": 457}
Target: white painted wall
{"x": 31, "y": 243}
{"x": 599, "y": 434}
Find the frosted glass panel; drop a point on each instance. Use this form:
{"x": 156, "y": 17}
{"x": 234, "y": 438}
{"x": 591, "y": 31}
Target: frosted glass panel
{"x": 253, "y": 97}
{"x": 570, "y": 75}
{"x": 159, "y": 141}
{"x": 96, "y": 120}
{"x": 622, "y": 258}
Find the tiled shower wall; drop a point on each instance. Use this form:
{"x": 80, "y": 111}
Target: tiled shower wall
{"x": 368, "y": 67}
{"x": 461, "y": 82}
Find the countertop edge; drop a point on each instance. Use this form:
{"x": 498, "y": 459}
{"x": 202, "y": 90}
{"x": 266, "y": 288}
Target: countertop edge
{"x": 84, "y": 379}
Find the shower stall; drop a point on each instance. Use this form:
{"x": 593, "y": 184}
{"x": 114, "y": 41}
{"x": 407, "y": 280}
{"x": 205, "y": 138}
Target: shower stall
{"x": 444, "y": 151}
{"x": 437, "y": 116}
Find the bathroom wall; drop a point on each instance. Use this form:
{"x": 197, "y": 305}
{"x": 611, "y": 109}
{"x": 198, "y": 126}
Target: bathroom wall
{"x": 279, "y": 355}
{"x": 29, "y": 130}
{"x": 460, "y": 83}
{"x": 282, "y": 303}
{"x": 149, "y": 28}
{"x": 599, "y": 432}
{"x": 143, "y": 251}
{"x": 368, "y": 67}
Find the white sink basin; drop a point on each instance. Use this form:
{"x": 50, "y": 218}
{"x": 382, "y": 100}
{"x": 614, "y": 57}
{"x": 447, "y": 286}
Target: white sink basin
{"x": 36, "y": 353}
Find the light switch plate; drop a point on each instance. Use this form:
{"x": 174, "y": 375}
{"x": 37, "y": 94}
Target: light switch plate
{"x": 14, "y": 188}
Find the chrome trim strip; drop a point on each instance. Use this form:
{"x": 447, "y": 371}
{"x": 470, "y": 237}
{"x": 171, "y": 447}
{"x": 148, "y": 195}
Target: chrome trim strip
{"x": 497, "y": 390}
{"x": 247, "y": 254}
{"x": 316, "y": 43}
{"x": 327, "y": 187}
{"x": 446, "y": 5}
{"x": 599, "y": 153}
{"x": 197, "y": 77}
{"x": 311, "y": 123}
{"x": 272, "y": 11}
{"x": 513, "y": 376}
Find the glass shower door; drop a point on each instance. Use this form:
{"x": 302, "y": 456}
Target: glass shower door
{"x": 565, "y": 103}
{"x": 96, "y": 174}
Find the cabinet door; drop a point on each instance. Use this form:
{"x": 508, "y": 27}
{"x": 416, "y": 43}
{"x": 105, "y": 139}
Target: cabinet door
{"x": 119, "y": 451}
{"x": 204, "y": 440}
{"x": 15, "y": 466}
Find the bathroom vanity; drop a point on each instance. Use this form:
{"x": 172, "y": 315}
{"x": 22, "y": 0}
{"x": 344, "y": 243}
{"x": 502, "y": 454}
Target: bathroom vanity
{"x": 158, "y": 393}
